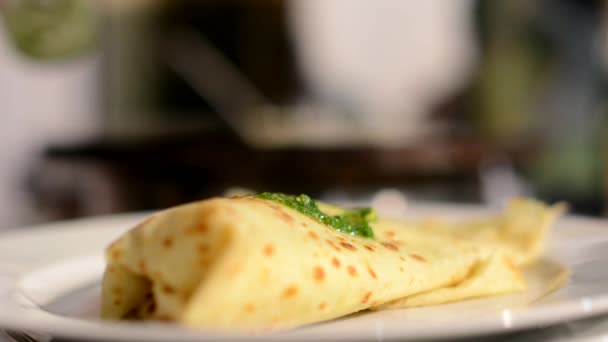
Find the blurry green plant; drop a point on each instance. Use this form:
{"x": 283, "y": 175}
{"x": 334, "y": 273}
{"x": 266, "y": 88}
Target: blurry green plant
{"x": 51, "y": 29}
{"x": 513, "y": 72}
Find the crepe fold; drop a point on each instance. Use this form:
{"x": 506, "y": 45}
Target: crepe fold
{"x": 252, "y": 264}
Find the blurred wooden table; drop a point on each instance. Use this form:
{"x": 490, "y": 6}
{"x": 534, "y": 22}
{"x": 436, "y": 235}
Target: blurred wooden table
{"x": 104, "y": 176}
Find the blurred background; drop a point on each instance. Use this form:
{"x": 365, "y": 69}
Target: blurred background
{"x": 114, "y": 106}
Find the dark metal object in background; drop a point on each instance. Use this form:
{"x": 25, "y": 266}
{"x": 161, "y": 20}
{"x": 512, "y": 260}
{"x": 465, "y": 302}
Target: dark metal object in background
{"x": 218, "y": 81}
{"x": 148, "y": 88}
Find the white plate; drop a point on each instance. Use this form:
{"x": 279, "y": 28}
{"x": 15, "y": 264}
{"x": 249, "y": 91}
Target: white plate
{"x": 49, "y": 283}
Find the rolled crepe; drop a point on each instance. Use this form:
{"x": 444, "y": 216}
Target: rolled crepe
{"x": 252, "y": 264}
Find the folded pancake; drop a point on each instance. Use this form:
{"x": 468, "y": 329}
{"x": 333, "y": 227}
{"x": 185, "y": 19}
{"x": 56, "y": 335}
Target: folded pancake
{"x": 512, "y": 239}
{"x": 250, "y": 263}
{"x": 493, "y": 275}
{"x": 520, "y": 231}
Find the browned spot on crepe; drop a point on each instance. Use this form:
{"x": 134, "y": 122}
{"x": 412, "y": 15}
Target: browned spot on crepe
{"x": 290, "y": 291}
{"x": 371, "y": 272}
{"x": 333, "y": 245}
{"x": 199, "y": 228}
{"x": 390, "y": 246}
{"x": 352, "y": 270}
{"x": 116, "y": 253}
{"x": 272, "y": 205}
{"x": 417, "y": 257}
{"x": 268, "y": 250}
{"x": 348, "y": 246}
{"x": 249, "y": 308}
{"x": 366, "y": 297}
{"x": 285, "y": 217}
{"x": 318, "y": 273}
{"x": 168, "y": 289}
{"x": 335, "y": 262}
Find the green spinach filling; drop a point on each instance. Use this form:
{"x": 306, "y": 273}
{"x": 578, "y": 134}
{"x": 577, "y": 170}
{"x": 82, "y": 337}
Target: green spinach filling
{"x": 353, "y": 221}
